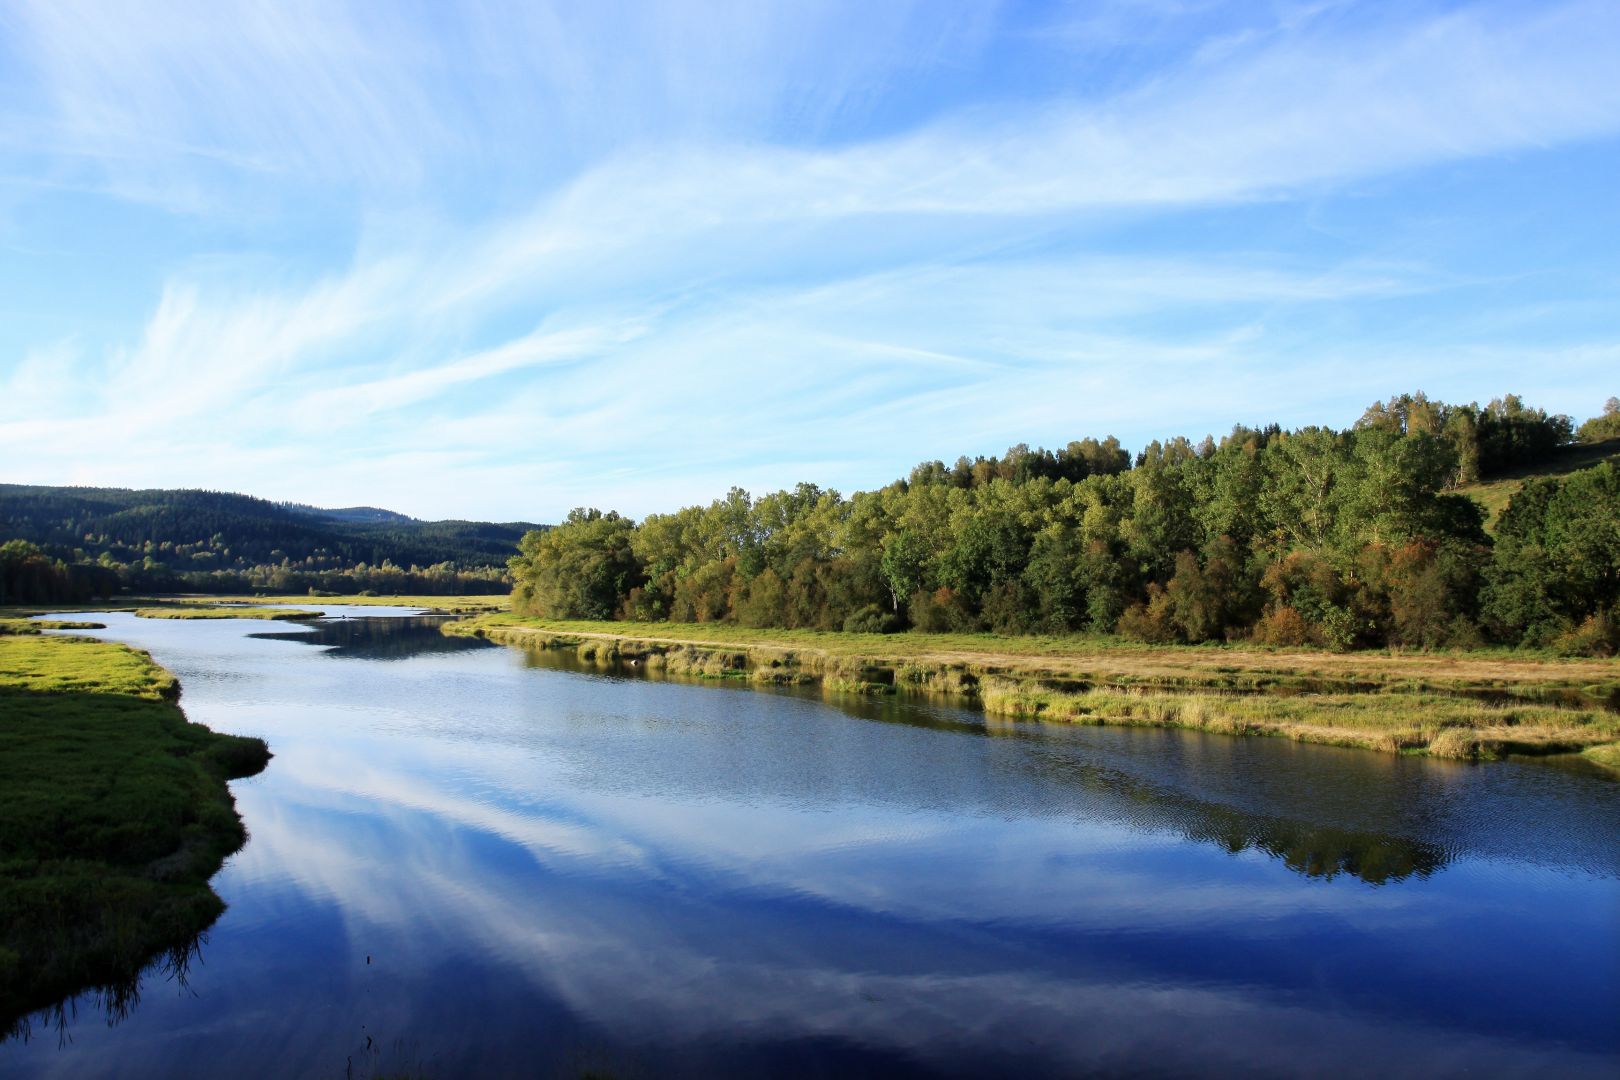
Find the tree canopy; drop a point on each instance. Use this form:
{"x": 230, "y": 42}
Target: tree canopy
{"x": 1345, "y": 539}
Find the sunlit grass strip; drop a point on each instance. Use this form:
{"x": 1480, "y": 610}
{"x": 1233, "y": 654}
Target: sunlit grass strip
{"x": 1458, "y": 705}
{"x": 59, "y": 665}
{"x": 1113, "y": 660}
{"x": 1607, "y": 756}
{"x": 116, "y": 813}
{"x": 226, "y": 612}
{"x": 456, "y": 605}
{"x": 36, "y": 626}
{"x": 1436, "y": 725}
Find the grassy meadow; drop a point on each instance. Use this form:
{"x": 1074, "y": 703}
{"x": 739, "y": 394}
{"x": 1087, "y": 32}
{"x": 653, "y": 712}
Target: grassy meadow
{"x": 116, "y": 815}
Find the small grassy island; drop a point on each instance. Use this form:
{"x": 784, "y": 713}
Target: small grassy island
{"x": 224, "y": 611}
{"x": 116, "y": 814}
{"x": 443, "y": 605}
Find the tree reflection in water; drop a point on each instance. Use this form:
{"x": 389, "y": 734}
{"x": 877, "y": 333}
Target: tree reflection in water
{"x": 391, "y": 638}
{"x": 1316, "y": 849}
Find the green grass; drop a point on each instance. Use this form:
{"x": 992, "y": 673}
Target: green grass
{"x": 1607, "y": 756}
{"x": 35, "y": 626}
{"x": 122, "y": 603}
{"x": 116, "y": 813}
{"x": 198, "y": 611}
{"x": 1479, "y": 704}
{"x": 1225, "y": 666}
{"x": 459, "y": 605}
{"x": 1495, "y": 494}
{"x": 1435, "y": 724}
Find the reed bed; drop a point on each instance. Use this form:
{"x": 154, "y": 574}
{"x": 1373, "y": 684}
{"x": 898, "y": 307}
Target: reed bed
{"x": 1455, "y": 705}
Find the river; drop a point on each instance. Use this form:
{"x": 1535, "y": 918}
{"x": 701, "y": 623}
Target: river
{"x": 469, "y": 860}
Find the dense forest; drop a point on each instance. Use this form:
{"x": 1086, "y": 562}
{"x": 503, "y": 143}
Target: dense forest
{"x": 1344, "y": 539}
{"x": 72, "y": 544}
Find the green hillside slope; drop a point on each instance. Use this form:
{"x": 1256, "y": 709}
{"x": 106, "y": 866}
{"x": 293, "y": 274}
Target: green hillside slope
{"x": 165, "y": 540}
{"x": 1495, "y": 494}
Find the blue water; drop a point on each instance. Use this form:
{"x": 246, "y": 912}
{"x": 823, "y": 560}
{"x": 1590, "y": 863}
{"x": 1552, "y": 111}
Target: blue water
{"x": 472, "y": 861}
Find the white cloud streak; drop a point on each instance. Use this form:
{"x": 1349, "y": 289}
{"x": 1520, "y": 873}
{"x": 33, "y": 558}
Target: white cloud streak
{"x": 698, "y": 304}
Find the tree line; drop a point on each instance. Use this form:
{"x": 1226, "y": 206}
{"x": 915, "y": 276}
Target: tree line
{"x": 1345, "y": 539}
{"x": 218, "y": 542}
{"x": 30, "y": 575}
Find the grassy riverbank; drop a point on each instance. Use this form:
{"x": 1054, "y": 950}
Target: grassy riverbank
{"x": 1450, "y": 704}
{"x": 116, "y": 814}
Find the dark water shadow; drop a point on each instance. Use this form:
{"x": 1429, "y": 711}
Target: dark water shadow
{"x": 380, "y": 638}
{"x": 114, "y": 997}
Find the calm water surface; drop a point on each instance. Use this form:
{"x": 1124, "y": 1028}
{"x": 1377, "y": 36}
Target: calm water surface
{"x": 469, "y": 860}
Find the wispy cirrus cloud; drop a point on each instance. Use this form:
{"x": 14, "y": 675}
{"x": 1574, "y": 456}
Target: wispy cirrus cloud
{"x": 760, "y": 263}
{"x": 163, "y": 100}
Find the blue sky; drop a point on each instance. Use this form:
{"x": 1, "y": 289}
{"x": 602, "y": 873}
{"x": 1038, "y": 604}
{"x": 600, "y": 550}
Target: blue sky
{"x": 495, "y": 261}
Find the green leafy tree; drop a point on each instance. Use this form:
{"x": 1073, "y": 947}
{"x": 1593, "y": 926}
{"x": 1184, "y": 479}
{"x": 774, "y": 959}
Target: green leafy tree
{"x": 904, "y": 563}
{"x": 1603, "y": 427}
{"x": 1557, "y": 558}
{"x": 582, "y": 569}
{"x": 1300, "y": 495}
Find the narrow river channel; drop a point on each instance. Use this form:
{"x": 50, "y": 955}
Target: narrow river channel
{"x": 467, "y": 860}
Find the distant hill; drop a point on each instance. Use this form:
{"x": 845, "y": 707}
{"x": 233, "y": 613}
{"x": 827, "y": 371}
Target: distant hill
{"x": 1495, "y": 494}
{"x": 367, "y": 514}
{"x": 203, "y": 539}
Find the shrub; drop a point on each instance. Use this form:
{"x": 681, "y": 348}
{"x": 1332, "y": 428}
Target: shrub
{"x": 1150, "y": 622}
{"x": 872, "y": 619}
{"x": 643, "y": 605}
{"x": 1598, "y": 635}
{"x": 1283, "y": 625}
{"x": 1602, "y": 428}
{"x": 939, "y": 612}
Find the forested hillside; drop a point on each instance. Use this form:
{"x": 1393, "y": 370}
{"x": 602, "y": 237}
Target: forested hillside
{"x": 1345, "y": 539}
{"x": 71, "y": 543}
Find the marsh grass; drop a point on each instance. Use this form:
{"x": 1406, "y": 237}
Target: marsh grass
{"x": 116, "y": 813}
{"x": 36, "y": 626}
{"x": 1433, "y": 724}
{"x": 452, "y": 605}
{"x": 1607, "y": 756}
{"x": 1481, "y": 704}
{"x": 197, "y": 611}
{"x": 1484, "y": 673}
